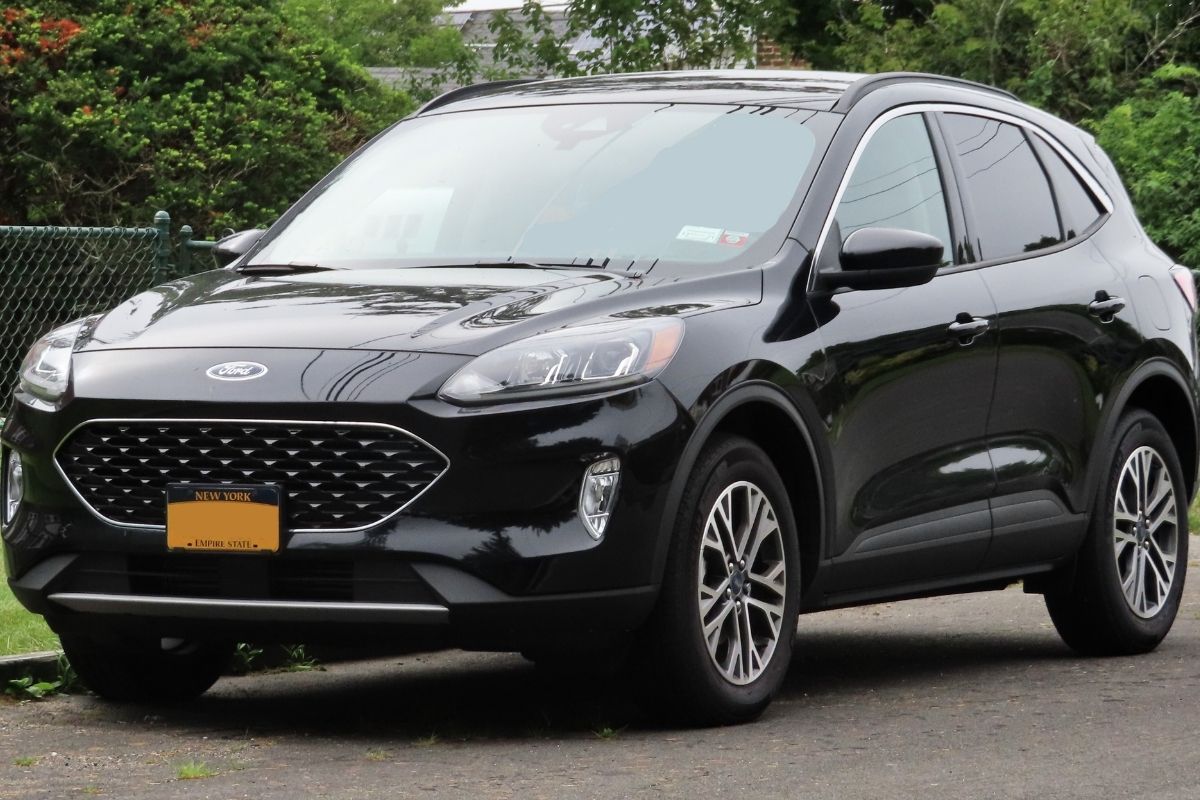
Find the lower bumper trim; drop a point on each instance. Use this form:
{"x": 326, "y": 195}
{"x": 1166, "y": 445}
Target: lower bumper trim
{"x": 251, "y": 610}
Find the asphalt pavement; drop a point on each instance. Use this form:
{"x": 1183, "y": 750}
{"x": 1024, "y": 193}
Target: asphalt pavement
{"x": 962, "y": 697}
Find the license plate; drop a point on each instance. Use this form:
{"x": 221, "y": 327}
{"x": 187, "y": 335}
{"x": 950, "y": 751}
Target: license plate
{"x": 232, "y": 519}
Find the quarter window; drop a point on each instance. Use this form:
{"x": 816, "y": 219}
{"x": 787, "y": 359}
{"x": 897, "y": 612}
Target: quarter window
{"x": 1076, "y": 204}
{"x": 896, "y": 184}
{"x": 1006, "y": 186}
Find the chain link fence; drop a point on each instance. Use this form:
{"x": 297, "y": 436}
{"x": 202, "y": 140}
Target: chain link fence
{"x": 50, "y": 276}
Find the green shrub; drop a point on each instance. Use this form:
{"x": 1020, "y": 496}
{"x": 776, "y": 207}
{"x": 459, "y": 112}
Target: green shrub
{"x": 1153, "y": 139}
{"x": 218, "y": 111}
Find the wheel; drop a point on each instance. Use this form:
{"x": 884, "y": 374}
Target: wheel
{"x": 721, "y": 637}
{"x": 1130, "y": 569}
{"x": 143, "y": 669}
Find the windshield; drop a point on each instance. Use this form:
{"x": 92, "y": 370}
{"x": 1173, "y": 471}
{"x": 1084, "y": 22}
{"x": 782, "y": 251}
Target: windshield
{"x": 691, "y": 184}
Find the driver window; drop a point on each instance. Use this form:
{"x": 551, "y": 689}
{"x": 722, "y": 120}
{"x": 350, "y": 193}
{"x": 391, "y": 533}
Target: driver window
{"x": 896, "y": 184}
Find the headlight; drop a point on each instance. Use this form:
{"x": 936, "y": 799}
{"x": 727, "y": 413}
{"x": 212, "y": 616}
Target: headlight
{"x": 586, "y": 358}
{"x": 46, "y": 371}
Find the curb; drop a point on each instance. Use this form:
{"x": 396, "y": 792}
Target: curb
{"x": 41, "y": 666}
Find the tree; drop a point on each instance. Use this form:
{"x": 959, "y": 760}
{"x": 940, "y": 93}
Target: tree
{"x": 219, "y": 111}
{"x": 393, "y": 33}
{"x": 1075, "y": 59}
{"x": 1153, "y": 139}
{"x": 635, "y": 35}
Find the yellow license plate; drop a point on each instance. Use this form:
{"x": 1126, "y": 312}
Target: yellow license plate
{"x": 234, "y": 519}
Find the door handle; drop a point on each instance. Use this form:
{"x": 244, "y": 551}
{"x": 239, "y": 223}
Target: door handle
{"x": 1105, "y": 307}
{"x": 967, "y": 328}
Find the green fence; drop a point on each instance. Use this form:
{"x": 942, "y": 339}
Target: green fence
{"x": 50, "y": 275}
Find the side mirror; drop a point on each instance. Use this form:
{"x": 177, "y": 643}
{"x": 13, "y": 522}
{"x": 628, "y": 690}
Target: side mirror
{"x": 235, "y": 245}
{"x": 885, "y": 258}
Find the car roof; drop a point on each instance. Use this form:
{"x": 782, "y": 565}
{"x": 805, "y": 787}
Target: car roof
{"x": 810, "y": 89}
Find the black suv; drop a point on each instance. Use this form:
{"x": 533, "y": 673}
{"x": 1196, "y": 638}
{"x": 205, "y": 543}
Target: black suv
{"x": 655, "y": 361}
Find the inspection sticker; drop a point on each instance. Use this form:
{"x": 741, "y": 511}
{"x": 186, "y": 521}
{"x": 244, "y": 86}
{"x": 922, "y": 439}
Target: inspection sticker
{"x": 695, "y": 233}
{"x": 734, "y": 238}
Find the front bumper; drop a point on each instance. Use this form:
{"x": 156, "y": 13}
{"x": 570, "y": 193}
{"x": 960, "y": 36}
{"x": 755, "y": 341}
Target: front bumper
{"x": 493, "y": 554}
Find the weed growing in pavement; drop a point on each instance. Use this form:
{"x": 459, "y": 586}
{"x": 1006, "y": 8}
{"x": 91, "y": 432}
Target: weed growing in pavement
{"x": 607, "y": 733}
{"x": 92, "y": 789}
{"x": 25, "y": 761}
{"x": 245, "y": 658}
{"x": 297, "y": 659}
{"x": 427, "y": 741}
{"x": 377, "y": 755}
{"x": 194, "y": 770}
{"x": 68, "y": 680}
{"x": 27, "y": 688}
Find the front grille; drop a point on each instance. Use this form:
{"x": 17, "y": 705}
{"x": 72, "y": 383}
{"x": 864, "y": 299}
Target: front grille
{"x": 335, "y": 476}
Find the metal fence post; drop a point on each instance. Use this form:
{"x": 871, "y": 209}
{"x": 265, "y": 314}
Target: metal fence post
{"x": 162, "y": 250}
{"x": 185, "y": 250}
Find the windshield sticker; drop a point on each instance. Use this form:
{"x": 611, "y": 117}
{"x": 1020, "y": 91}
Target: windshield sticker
{"x": 695, "y": 233}
{"x": 734, "y": 239}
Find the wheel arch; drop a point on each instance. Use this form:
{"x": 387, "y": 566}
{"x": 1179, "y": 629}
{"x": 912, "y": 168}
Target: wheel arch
{"x": 767, "y": 415}
{"x": 1158, "y": 387}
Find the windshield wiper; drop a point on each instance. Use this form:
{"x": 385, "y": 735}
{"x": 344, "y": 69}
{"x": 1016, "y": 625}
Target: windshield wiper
{"x": 294, "y": 268}
{"x": 590, "y": 266}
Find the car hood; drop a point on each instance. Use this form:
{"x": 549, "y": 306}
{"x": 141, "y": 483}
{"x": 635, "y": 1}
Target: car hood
{"x": 464, "y": 310}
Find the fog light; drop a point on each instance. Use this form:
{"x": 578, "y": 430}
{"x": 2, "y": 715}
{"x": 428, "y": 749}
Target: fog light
{"x": 599, "y": 494}
{"x": 14, "y": 486}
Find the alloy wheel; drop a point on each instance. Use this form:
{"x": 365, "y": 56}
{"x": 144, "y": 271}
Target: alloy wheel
{"x": 1145, "y": 531}
{"x": 742, "y": 582}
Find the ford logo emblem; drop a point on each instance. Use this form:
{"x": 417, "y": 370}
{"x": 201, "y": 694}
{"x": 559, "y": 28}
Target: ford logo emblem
{"x": 236, "y": 371}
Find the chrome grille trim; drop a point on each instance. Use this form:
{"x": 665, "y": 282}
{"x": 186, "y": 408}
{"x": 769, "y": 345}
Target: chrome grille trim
{"x": 251, "y": 610}
{"x": 241, "y": 421}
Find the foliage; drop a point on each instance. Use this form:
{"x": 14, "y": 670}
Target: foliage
{"x": 217, "y": 110}
{"x": 1074, "y": 59}
{"x": 1154, "y": 139}
{"x": 297, "y": 659}
{"x": 1066, "y": 56}
{"x": 634, "y": 35}
{"x": 245, "y": 658}
{"x": 377, "y": 33}
{"x": 29, "y": 689}
{"x": 393, "y": 33}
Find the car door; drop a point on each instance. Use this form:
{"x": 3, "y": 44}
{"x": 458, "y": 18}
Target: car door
{"x": 1064, "y": 329}
{"x": 910, "y": 376}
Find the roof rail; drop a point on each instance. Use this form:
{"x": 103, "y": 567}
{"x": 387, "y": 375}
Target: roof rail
{"x": 474, "y": 90}
{"x": 864, "y": 86}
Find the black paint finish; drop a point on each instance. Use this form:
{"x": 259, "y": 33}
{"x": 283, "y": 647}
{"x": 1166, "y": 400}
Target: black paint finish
{"x": 934, "y": 437}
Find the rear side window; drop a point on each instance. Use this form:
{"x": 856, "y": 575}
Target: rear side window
{"x": 896, "y": 184}
{"x": 1076, "y": 204}
{"x": 1006, "y": 186}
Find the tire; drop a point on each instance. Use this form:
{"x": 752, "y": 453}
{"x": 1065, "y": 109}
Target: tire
{"x": 128, "y": 669}
{"x": 693, "y": 680}
{"x": 1101, "y": 611}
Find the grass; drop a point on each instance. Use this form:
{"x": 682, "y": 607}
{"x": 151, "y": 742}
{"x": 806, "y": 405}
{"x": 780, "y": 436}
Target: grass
{"x": 607, "y": 733}
{"x": 25, "y": 761}
{"x": 20, "y": 631}
{"x": 194, "y": 770}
